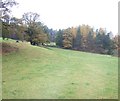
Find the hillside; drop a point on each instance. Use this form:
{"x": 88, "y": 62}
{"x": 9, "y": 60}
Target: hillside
{"x": 41, "y": 73}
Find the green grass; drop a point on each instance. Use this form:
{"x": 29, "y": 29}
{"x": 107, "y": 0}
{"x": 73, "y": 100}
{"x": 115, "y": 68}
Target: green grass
{"x": 51, "y": 73}
{"x": 0, "y": 71}
{"x": 0, "y": 76}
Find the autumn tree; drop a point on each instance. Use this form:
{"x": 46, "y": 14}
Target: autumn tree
{"x": 85, "y": 29}
{"x": 35, "y": 29}
{"x": 67, "y": 39}
{"x": 17, "y": 28}
{"x": 73, "y": 31}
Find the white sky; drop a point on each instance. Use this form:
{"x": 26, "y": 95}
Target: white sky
{"x": 66, "y": 13}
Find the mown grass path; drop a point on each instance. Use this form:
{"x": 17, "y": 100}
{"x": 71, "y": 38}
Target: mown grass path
{"x": 51, "y": 73}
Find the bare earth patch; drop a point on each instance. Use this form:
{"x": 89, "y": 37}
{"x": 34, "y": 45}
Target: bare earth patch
{"x": 8, "y": 48}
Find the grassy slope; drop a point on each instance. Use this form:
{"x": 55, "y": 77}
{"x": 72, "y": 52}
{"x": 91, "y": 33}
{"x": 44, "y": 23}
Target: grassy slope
{"x": 36, "y": 72}
{"x": 0, "y": 70}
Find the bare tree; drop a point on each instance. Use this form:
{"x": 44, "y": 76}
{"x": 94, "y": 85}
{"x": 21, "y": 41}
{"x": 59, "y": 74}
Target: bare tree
{"x": 5, "y": 6}
{"x": 30, "y": 18}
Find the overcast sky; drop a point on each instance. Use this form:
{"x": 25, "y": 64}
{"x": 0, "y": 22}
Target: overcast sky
{"x": 66, "y": 13}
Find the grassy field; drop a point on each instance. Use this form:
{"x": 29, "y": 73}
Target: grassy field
{"x": 51, "y": 73}
{"x": 0, "y": 71}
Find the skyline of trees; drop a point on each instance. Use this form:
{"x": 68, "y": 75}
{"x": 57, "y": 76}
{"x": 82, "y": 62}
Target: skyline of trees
{"x": 82, "y": 37}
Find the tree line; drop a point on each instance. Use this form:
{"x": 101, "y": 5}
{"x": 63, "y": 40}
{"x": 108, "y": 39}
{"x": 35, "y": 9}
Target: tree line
{"x": 86, "y": 39}
{"x": 83, "y": 37}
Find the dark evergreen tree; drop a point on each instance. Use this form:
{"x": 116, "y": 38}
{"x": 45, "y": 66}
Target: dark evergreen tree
{"x": 77, "y": 40}
{"x": 59, "y": 38}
